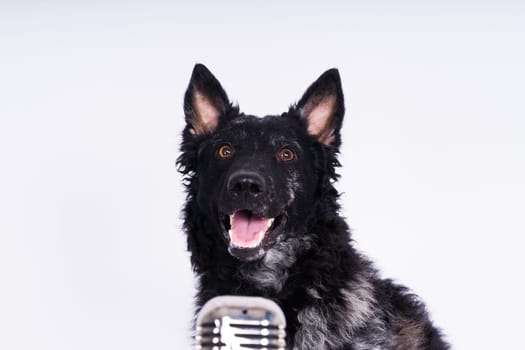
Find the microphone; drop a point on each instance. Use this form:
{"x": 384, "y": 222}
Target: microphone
{"x": 240, "y": 323}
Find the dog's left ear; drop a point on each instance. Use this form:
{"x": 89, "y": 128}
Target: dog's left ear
{"x": 205, "y": 101}
{"x": 322, "y": 108}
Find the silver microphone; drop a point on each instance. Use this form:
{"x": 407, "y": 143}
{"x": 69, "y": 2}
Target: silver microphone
{"x": 240, "y": 323}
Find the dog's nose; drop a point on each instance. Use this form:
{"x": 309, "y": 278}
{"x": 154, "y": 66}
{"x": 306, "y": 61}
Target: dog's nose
{"x": 248, "y": 183}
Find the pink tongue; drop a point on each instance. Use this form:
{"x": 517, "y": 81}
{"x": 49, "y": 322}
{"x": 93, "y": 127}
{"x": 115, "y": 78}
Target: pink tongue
{"x": 245, "y": 228}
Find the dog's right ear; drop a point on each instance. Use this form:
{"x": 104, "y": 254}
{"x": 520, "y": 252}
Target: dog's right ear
{"x": 205, "y": 101}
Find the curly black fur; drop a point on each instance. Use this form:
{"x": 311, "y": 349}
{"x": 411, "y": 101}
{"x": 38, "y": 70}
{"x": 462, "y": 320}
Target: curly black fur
{"x": 331, "y": 295}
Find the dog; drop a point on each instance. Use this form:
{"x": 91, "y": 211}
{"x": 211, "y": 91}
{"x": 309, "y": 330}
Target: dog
{"x": 262, "y": 219}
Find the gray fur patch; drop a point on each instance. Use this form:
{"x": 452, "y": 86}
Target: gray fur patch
{"x": 272, "y": 271}
{"x": 360, "y": 302}
{"x": 408, "y": 335}
{"x": 292, "y": 185}
{"x": 332, "y": 326}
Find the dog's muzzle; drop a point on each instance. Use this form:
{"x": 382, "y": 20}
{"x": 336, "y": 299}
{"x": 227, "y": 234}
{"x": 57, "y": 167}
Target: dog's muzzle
{"x": 249, "y": 218}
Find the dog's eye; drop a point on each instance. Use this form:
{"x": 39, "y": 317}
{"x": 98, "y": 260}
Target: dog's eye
{"x": 286, "y": 154}
{"x": 225, "y": 151}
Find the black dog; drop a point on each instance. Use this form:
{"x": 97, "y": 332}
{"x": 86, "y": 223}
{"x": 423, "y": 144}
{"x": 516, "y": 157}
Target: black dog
{"x": 262, "y": 219}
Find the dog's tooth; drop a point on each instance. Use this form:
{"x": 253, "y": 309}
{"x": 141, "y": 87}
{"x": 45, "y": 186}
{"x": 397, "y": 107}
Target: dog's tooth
{"x": 269, "y": 223}
{"x": 230, "y": 233}
{"x": 231, "y": 219}
{"x": 261, "y": 236}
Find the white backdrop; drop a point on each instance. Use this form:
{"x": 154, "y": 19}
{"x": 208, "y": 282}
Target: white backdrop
{"x": 91, "y": 251}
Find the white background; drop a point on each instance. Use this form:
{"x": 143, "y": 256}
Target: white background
{"x": 91, "y": 251}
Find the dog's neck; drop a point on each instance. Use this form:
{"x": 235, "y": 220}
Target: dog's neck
{"x": 271, "y": 272}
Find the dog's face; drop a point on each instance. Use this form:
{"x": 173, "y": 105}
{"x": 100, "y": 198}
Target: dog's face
{"x": 253, "y": 178}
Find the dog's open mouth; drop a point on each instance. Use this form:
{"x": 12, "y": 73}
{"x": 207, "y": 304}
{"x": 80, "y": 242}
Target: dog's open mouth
{"x": 249, "y": 234}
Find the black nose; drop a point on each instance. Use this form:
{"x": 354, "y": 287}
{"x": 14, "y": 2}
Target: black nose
{"x": 246, "y": 183}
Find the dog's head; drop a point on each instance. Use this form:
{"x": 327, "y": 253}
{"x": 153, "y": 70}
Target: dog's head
{"x": 254, "y": 180}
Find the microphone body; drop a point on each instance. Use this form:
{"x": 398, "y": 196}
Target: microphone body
{"x": 240, "y": 323}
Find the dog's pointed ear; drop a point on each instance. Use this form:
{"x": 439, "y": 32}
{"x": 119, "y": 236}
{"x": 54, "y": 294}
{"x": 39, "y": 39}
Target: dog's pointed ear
{"x": 322, "y": 108}
{"x": 205, "y": 101}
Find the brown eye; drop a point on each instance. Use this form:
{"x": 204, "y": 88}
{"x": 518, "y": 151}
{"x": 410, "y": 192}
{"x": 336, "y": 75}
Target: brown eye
{"x": 286, "y": 154}
{"x": 225, "y": 151}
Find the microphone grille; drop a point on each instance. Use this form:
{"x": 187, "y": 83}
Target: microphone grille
{"x": 240, "y": 323}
